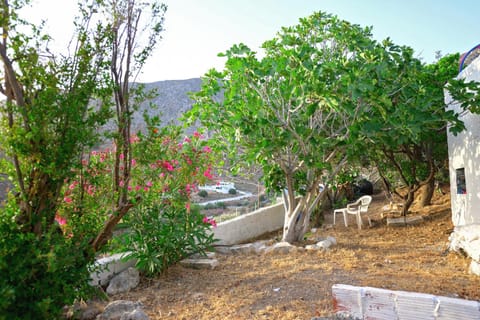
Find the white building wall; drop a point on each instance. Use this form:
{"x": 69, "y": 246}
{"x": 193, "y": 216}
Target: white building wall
{"x": 464, "y": 152}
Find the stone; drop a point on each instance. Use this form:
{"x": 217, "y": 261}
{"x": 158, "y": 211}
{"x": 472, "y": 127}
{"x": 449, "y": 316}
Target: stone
{"x": 324, "y": 244}
{"x": 474, "y": 268}
{"x": 402, "y": 221}
{"x": 116, "y": 309}
{"x": 311, "y": 247}
{"x": 209, "y": 255}
{"x": 136, "y": 314}
{"x": 248, "y": 248}
{"x": 200, "y": 263}
{"x": 332, "y": 240}
{"x": 123, "y": 282}
{"x": 281, "y": 247}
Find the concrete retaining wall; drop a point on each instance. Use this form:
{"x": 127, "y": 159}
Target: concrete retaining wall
{"x": 249, "y": 226}
{"x": 108, "y": 267}
{"x": 235, "y": 231}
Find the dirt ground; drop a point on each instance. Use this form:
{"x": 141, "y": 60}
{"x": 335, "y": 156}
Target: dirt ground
{"x": 298, "y": 285}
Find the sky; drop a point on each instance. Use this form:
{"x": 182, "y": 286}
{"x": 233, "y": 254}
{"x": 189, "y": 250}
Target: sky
{"x": 197, "y": 30}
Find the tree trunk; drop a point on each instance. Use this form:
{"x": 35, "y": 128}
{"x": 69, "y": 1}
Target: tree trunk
{"x": 408, "y": 201}
{"x": 426, "y": 195}
{"x": 297, "y": 221}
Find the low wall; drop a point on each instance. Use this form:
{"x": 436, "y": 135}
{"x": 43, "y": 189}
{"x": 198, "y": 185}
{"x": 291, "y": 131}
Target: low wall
{"x": 234, "y": 231}
{"x": 249, "y": 226}
{"x": 108, "y": 267}
{"x": 374, "y": 303}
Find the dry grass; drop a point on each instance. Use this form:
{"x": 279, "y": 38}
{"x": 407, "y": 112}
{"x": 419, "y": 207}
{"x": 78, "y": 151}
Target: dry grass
{"x": 298, "y": 285}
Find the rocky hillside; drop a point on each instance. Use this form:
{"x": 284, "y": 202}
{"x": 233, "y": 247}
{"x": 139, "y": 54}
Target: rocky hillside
{"x": 171, "y": 102}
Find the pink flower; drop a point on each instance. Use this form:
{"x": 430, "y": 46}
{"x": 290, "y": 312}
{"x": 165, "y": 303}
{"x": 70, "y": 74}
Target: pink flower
{"x": 134, "y": 139}
{"x": 210, "y": 221}
{"x": 60, "y": 220}
{"x": 187, "y": 140}
{"x": 129, "y": 188}
{"x": 187, "y": 206}
{"x": 146, "y": 189}
{"x": 73, "y": 185}
{"x": 134, "y": 162}
{"x": 67, "y": 199}
{"x": 208, "y": 174}
{"x": 137, "y": 188}
{"x": 149, "y": 183}
{"x": 91, "y": 190}
{"x": 121, "y": 183}
{"x": 168, "y": 166}
{"x": 196, "y": 134}
{"x": 207, "y": 149}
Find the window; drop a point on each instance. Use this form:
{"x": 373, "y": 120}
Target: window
{"x": 461, "y": 185}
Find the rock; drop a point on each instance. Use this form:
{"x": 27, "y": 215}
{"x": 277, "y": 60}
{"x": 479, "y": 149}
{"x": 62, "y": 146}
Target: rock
{"x": 324, "y": 244}
{"x": 311, "y": 247}
{"x": 124, "y": 282}
{"x": 332, "y": 240}
{"x": 116, "y": 309}
{"x": 136, "y": 314}
{"x": 474, "y": 268}
{"x": 402, "y": 221}
{"x": 281, "y": 247}
{"x": 90, "y": 312}
{"x": 248, "y": 248}
{"x": 200, "y": 263}
{"x": 208, "y": 255}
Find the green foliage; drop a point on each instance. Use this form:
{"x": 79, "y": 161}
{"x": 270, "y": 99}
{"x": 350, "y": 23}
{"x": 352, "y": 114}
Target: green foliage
{"x": 290, "y": 111}
{"x": 165, "y": 170}
{"x": 54, "y": 107}
{"x": 203, "y": 193}
{"x": 39, "y": 274}
{"x": 163, "y": 235}
{"x": 216, "y": 205}
{"x": 405, "y": 128}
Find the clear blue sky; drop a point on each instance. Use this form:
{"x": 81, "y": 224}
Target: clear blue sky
{"x": 197, "y": 30}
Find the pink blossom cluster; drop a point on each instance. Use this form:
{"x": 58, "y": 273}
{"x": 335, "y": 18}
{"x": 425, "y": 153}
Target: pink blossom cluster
{"x": 210, "y": 221}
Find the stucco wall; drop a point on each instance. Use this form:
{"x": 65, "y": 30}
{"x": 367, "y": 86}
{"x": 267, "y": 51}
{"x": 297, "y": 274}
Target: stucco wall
{"x": 464, "y": 152}
{"x": 250, "y": 225}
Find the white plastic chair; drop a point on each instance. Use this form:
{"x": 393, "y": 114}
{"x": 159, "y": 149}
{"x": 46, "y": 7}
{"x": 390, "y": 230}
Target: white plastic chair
{"x": 357, "y": 208}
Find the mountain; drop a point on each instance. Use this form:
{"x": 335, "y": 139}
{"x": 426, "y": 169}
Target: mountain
{"x": 172, "y": 99}
{"x": 171, "y": 102}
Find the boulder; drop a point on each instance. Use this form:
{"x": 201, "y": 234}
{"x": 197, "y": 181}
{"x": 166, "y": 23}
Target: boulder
{"x": 121, "y": 310}
{"x": 123, "y": 282}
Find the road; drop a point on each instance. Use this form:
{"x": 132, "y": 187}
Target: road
{"x": 242, "y": 195}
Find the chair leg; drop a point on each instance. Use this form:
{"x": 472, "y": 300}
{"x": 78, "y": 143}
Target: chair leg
{"x": 359, "y": 221}
{"x": 345, "y": 218}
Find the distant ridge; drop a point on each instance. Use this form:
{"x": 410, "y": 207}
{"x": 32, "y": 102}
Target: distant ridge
{"x": 171, "y": 102}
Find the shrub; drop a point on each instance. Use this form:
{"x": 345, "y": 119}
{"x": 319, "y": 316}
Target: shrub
{"x": 232, "y": 191}
{"x": 161, "y": 237}
{"x": 203, "y": 193}
{"x": 39, "y": 275}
